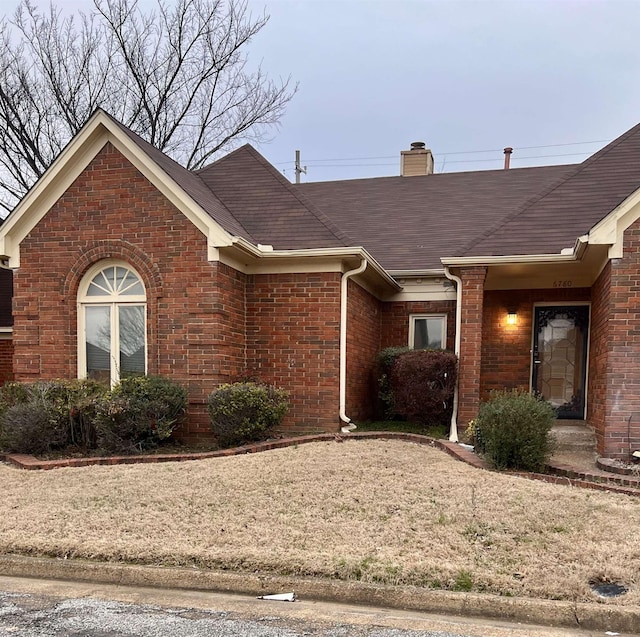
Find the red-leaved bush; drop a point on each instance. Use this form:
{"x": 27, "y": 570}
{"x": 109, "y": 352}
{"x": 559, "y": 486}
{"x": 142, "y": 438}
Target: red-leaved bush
{"x": 423, "y": 382}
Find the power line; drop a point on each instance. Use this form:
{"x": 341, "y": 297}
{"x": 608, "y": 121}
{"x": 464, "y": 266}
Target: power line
{"x": 455, "y": 161}
{"x": 446, "y": 154}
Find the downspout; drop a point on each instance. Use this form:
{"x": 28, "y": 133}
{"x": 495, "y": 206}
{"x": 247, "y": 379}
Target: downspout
{"x": 453, "y": 431}
{"x": 349, "y": 426}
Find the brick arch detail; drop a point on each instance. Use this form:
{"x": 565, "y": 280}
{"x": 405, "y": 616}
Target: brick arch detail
{"x": 118, "y": 249}
{"x": 146, "y": 268}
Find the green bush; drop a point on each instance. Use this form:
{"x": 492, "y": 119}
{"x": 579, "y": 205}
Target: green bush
{"x": 515, "y": 429}
{"x": 423, "y": 383}
{"x": 384, "y": 364}
{"x": 138, "y": 413}
{"x": 242, "y": 412}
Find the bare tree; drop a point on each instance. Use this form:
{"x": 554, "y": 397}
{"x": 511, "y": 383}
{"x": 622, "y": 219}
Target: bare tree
{"x": 178, "y": 76}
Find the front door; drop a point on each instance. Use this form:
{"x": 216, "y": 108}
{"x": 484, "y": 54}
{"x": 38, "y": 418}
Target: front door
{"x": 559, "y": 368}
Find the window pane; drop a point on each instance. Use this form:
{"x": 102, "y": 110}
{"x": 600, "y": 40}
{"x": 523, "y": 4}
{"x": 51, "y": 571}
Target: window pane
{"x": 98, "y": 342}
{"x": 428, "y": 333}
{"x": 132, "y": 340}
{"x": 115, "y": 280}
{"x": 131, "y": 284}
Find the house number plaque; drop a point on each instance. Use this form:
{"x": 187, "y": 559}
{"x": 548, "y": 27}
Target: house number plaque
{"x": 562, "y": 284}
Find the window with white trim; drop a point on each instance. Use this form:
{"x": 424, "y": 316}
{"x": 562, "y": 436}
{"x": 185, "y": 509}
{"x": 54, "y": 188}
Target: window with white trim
{"x": 428, "y": 331}
{"x": 112, "y": 323}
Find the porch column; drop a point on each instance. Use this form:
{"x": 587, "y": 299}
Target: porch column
{"x": 470, "y": 342}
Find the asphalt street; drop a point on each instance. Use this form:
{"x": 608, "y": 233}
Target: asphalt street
{"x": 30, "y": 607}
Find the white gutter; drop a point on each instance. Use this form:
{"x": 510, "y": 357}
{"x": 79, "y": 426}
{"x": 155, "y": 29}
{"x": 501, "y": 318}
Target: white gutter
{"x": 453, "y": 431}
{"x": 268, "y": 253}
{"x": 344, "y": 283}
{"x": 517, "y": 258}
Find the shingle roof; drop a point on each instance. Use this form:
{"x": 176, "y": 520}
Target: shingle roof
{"x": 410, "y": 222}
{"x": 568, "y": 208}
{"x": 267, "y": 205}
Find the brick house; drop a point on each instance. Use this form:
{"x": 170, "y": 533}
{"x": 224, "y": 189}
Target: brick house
{"x": 121, "y": 261}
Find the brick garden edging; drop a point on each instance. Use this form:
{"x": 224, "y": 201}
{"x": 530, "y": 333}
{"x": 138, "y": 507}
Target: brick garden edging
{"x": 560, "y": 474}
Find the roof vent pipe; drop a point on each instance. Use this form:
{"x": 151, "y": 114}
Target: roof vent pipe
{"x": 507, "y": 157}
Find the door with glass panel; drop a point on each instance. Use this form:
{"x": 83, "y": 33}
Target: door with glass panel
{"x": 559, "y": 366}
{"x": 113, "y": 325}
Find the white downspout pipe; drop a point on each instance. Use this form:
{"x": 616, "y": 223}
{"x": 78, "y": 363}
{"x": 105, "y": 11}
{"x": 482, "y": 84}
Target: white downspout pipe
{"x": 349, "y": 426}
{"x": 453, "y": 431}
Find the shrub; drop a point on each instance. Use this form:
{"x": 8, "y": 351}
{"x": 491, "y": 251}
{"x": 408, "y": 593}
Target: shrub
{"x": 384, "y": 364}
{"x": 423, "y": 383}
{"x": 28, "y": 428}
{"x": 241, "y": 412}
{"x": 68, "y": 406}
{"x": 11, "y": 394}
{"x": 138, "y": 413}
{"x": 515, "y": 428}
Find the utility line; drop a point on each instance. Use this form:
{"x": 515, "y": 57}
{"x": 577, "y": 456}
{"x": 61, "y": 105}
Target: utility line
{"x": 455, "y": 161}
{"x": 446, "y": 154}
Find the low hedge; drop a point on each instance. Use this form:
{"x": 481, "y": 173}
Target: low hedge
{"x": 246, "y": 411}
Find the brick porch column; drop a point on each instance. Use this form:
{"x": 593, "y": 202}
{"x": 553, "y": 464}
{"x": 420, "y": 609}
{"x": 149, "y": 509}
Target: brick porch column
{"x": 470, "y": 342}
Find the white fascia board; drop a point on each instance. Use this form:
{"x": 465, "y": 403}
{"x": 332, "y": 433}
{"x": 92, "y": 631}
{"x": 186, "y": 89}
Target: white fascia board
{"x": 516, "y": 258}
{"x": 610, "y": 230}
{"x": 70, "y": 163}
{"x": 267, "y": 252}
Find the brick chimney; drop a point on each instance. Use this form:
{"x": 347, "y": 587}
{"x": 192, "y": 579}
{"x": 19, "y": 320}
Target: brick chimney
{"x": 417, "y": 161}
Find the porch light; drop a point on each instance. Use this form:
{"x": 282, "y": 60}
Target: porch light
{"x": 512, "y": 316}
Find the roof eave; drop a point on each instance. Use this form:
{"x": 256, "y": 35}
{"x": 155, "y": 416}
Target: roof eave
{"x": 268, "y": 253}
{"x": 74, "y": 158}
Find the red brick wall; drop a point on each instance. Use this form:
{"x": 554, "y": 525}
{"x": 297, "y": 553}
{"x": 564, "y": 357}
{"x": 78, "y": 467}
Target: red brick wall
{"x": 470, "y": 342}
{"x": 363, "y": 343}
{"x": 293, "y": 338}
{"x": 506, "y": 349}
{"x": 195, "y": 308}
{"x": 599, "y": 384}
{"x": 6, "y": 360}
{"x": 621, "y": 432}
{"x": 395, "y": 320}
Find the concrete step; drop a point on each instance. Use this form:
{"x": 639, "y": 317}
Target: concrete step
{"x": 574, "y": 435}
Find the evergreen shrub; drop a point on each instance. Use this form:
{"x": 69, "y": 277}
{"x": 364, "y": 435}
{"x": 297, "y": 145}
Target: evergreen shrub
{"x": 384, "y": 364}
{"x": 423, "y": 384}
{"x": 515, "y": 429}
{"x": 243, "y": 412}
{"x": 138, "y": 413}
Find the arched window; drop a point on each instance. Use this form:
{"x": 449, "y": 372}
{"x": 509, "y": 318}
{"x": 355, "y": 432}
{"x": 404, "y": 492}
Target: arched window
{"x": 112, "y": 323}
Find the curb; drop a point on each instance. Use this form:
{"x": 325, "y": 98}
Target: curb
{"x": 587, "y": 616}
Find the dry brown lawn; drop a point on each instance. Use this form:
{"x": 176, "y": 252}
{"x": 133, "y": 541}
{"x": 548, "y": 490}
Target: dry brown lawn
{"x": 384, "y": 511}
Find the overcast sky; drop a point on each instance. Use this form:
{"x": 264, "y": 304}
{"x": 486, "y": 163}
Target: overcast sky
{"x": 461, "y": 76}
{"x": 375, "y": 75}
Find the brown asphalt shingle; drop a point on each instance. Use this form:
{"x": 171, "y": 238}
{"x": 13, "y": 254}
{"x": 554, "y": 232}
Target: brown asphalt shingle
{"x": 267, "y": 205}
{"x": 409, "y": 223}
{"x": 558, "y": 215}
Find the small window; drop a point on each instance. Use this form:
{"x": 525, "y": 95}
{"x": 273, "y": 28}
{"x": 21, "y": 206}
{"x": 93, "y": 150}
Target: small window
{"x": 428, "y": 331}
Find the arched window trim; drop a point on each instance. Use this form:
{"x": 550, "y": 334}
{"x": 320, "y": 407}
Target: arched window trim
{"x": 115, "y": 302}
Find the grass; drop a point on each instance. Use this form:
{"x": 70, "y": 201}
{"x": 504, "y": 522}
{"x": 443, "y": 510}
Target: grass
{"x": 376, "y": 511}
{"x": 436, "y": 431}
